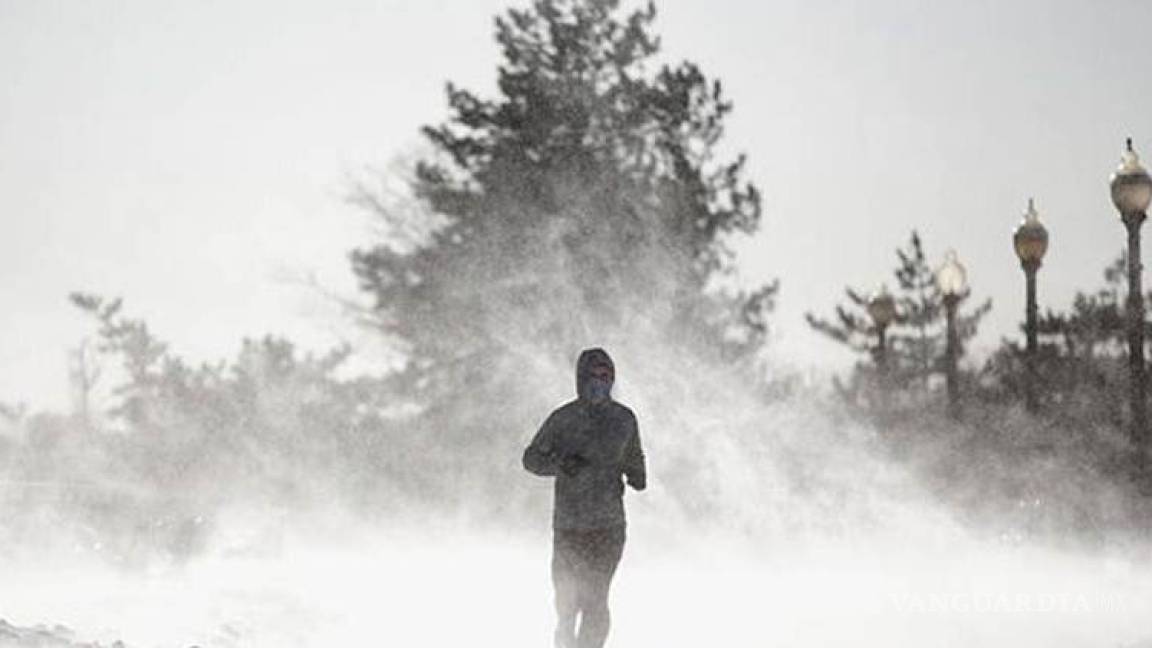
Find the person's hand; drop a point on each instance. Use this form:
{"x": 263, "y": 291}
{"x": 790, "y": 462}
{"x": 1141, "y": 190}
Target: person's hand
{"x": 571, "y": 464}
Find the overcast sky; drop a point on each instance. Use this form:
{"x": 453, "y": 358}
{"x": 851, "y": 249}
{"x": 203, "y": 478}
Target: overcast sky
{"x": 192, "y": 157}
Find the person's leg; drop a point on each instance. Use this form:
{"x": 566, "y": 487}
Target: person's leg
{"x": 564, "y": 580}
{"x": 605, "y": 550}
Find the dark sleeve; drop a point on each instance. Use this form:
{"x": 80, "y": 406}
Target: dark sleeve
{"x": 634, "y": 468}
{"x": 540, "y": 456}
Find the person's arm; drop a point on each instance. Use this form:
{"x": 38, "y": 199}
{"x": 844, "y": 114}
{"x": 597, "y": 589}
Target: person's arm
{"x": 635, "y": 470}
{"x": 540, "y": 457}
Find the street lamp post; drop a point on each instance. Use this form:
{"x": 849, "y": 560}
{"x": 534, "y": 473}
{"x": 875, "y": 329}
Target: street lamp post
{"x": 882, "y": 310}
{"x": 1131, "y": 193}
{"x": 1031, "y": 242}
{"x": 952, "y": 280}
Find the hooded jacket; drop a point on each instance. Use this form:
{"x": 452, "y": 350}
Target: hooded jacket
{"x": 590, "y": 448}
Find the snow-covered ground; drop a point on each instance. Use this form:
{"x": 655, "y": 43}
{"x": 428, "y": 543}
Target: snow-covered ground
{"x": 445, "y": 589}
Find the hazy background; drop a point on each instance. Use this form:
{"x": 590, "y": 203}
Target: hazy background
{"x": 196, "y": 160}
{"x": 194, "y": 157}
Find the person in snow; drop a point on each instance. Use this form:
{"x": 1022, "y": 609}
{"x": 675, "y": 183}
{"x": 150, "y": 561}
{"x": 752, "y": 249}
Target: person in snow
{"x": 591, "y": 446}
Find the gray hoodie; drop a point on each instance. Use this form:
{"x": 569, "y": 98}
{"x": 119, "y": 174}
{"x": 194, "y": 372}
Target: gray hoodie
{"x": 588, "y": 447}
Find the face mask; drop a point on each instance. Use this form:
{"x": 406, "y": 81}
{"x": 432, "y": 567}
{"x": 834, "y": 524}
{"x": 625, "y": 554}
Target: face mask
{"x": 599, "y": 389}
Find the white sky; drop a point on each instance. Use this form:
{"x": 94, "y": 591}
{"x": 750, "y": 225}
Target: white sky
{"x": 193, "y": 156}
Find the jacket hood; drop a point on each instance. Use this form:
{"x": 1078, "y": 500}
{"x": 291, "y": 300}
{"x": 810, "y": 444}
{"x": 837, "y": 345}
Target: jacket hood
{"x": 588, "y": 358}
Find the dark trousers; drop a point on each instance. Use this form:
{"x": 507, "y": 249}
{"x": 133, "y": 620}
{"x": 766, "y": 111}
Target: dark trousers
{"x": 583, "y": 562}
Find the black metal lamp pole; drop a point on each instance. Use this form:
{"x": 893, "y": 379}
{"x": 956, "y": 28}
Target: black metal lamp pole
{"x": 882, "y": 310}
{"x": 1137, "y": 384}
{"x": 1031, "y": 242}
{"x": 952, "y": 280}
{"x": 1131, "y": 189}
{"x": 950, "y": 356}
{"x": 882, "y": 347}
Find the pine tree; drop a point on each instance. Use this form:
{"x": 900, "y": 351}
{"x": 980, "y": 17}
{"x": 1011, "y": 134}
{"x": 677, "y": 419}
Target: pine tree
{"x": 583, "y": 196}
{"x": 583, "y": 205}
